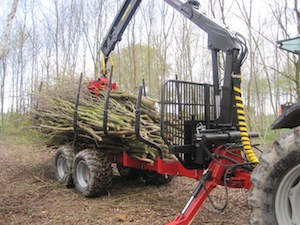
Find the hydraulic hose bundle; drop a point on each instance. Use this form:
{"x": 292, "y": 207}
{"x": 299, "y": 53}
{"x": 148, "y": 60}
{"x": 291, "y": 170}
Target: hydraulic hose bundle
{"x": 243, "y": 125}
{"x": 241, "y": 119}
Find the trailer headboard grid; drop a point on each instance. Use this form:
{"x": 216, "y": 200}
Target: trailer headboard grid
{"x": 185, "y": 105}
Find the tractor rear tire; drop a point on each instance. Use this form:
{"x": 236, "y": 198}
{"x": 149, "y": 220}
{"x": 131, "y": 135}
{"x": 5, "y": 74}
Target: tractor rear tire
{"x": 275, "y": 193}
{"x": 153, "y": 178}
{"x": 129, "y": 173}
{"x": 63, "y": 165}
{"x": 92, "y": 173}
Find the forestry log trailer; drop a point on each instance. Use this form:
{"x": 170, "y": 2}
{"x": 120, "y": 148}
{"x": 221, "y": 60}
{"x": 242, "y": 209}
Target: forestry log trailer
{"x": 205, "y": 128}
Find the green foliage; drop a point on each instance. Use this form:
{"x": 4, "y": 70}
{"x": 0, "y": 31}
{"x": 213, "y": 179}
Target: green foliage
{"x": 262, "y": 124}
{"x": 19, "y": 126}
{"x": 272, "y": 135}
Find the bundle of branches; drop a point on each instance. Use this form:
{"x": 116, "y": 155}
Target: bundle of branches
{"x": 55, "y": 120}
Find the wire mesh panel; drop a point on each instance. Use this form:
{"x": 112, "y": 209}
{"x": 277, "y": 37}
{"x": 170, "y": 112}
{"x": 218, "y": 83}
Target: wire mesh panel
{"x": 185, "y": 105}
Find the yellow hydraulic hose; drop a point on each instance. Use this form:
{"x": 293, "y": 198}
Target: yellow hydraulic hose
{"x": 111, "y": 61}
{"x": 243, "y": 126}
{"x": 103, "y": 65}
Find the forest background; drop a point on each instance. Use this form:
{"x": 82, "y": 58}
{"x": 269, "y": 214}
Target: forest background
{"x": 54, "y": 41}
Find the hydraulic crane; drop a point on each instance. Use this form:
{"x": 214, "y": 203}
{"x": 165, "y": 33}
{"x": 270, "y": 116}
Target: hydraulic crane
{"x": 220, "y": 39}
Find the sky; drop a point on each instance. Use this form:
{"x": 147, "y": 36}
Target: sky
{"x": 234, "y": 23}
{"x": 260, "y": 6}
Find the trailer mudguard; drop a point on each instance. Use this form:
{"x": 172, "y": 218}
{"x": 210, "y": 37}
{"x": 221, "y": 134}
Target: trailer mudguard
{"x": 289, "y": 119}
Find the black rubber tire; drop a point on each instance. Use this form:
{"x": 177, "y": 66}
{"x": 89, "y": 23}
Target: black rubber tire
{"x": 275, "y": 178}
{"x": 63, "y": 165}
{"x": 128, "y": 172}
{"x": 92, "y": 173}
{"x": 154, "y": 178}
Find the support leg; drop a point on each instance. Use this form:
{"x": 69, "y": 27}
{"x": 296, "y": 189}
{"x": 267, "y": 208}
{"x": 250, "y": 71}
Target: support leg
{"x": 196, "y": 201}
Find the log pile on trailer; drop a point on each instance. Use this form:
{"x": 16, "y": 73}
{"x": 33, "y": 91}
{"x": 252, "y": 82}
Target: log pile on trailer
{"x": 55, "y": 120}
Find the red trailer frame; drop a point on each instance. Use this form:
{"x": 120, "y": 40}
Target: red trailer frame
{"x": 223, "y": 170}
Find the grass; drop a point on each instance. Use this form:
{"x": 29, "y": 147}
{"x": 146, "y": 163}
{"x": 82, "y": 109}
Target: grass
{"x": 20, "y": 127}
{"x": 267, "y": 137}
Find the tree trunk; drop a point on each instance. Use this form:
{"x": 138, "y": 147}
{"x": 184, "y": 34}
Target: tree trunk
{"x": 3, "y": 73}
{"x": 3, "y": 43}
{"x": 8, "y": 28}
{"x": 297, "y": 75}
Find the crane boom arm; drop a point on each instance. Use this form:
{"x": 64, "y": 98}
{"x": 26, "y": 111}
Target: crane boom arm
{"x": 219, "y": 39}
{"x": 118, "y": 26}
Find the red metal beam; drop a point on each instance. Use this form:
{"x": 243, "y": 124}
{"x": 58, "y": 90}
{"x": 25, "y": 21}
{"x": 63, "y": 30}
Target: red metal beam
{"x": 160, "y": 166}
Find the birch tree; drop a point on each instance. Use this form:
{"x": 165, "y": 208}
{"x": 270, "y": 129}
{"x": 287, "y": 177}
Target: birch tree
{"x": 3, "y": 51}
{"x": 8, "y": 28}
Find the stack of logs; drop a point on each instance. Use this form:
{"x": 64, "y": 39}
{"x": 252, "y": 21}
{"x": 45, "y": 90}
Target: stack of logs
{"x": 55, "y": 120}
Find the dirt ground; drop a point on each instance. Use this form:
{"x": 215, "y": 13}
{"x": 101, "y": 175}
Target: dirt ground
{"x": 30, "y": 195}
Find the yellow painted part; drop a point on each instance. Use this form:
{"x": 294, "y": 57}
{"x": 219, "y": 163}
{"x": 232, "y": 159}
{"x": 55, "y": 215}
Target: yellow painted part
{"x": 247, "y": 147}
{"x": 111, "y": 60}
{"x": 249, "y": 151}
{"x": 243, "y": 127}
{"x": 239, "y": 105}
{"x": 245, "y": 138}
{"x": 240, "y": 112}
{"x": 238, "y": 90}
{"x": 242, "y": 123}
{"x": 126, "y": 11}
{"x": 241, "y": 118}
{"x": 247, "y": 143}
{"x": 252, "y": 157}
{"x": 103, "y": 66}
{"x": 244, "y": 134}
{"x": 238, "y": 98}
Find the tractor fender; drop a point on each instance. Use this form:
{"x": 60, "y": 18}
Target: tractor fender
{"x": 288, "y": 119}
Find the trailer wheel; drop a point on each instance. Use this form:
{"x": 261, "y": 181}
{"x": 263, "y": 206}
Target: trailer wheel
{"x": 92, "y": 173}
{"x": 63, "y": 165}
{"x": 153, "y": 178}
{"x": 129, "y": 173}
{"x": 275, "y": 194}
